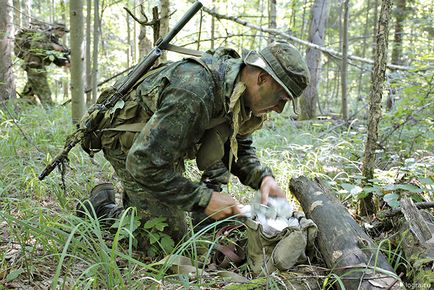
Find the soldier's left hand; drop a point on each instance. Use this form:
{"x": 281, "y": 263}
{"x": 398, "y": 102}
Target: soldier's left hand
{"x": 269, "y": 187}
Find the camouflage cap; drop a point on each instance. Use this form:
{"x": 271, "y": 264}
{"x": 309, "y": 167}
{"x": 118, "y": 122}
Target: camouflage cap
{"x": 285, "y": 64}
{"x": 59, "y": 26}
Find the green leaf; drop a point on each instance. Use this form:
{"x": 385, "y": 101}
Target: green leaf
{"x": 347, "y": 186}
{"x": 14, "y": 274}
{"x": 153, "y": 238}
{"x": 158, "y": 223}
{"x": 167, "y": 243}
{"x": 161, "y": 226}
{"x": 369, "y": 189}
{"x": 392, "y": 200}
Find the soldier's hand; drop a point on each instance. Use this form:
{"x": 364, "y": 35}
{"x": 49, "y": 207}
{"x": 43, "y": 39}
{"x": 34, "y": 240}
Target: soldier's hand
{"x": 222, "y": 206}
{"x": 269, "y": 187}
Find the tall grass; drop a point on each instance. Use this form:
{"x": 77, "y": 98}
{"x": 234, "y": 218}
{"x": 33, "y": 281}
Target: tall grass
{"x": 43, "y": 240}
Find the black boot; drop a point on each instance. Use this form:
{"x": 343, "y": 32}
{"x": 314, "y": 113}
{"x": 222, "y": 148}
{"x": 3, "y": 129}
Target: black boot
{"x": 102, "y": 200}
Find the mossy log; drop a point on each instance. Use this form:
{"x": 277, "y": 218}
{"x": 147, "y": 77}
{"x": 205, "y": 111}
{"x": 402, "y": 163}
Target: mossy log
{"x": 345, "y": 247}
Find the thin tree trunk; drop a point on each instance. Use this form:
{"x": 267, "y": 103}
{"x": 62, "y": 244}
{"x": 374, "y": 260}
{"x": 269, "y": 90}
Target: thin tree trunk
{"x": 378, "y": 76}
{"x": 134, "y": 43}
{"x": 344, "y": 70}
{"x": 272, "y": 14}
{"x": 78, "y": 104}
{"x": 303, "y": 20}
{"x": 128, "y": 52}
{"x": 144, "y": 43}
{"x": 400, "y": 13}
{"x": 88, "y": 51}
{"x": 17, "y": 14}
{"x": 309, "y": 101}
{"x": 164, "y": 23}
{"x": 26, "y": 12}
{"x": 95, "y": 50}
{"x": 374, "y": 30}
{"x": 365, "y": 36}
{"x": 7, "y": 82}
{"x": 212, "y": 28}
{"x": 65, "y": 81}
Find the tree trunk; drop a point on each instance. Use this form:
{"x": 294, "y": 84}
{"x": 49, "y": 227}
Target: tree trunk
{"x": 25, "y": 12}
{"x": 145, "y": 44}
{"x": 212, "y": 28}
{"x": 128, "y": 52}
{"x": 345, "y": 247}
{"x": 272, "y": 15}
{"x": 164, "y": 23}
{"x": 7, "y": 82}
{"x": 377, "y": 78}
{"x": 399, "y": 13}
{"x": 344, "y": 70}
{"x": 65, "y": 80}
{"x": 78, "y": 104}
{"x": 17, "y": 14}
{"x": 95, "y": 50}
{"x": 365, "y": 36}
{"x": 309, "y": 101}
{"x": 88, "y": 52}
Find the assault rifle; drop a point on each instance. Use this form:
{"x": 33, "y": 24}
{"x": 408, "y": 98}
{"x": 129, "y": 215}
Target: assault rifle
{"x": 120, "y": 90}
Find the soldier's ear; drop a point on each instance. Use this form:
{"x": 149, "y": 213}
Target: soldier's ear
{"x": 262, "y": 77}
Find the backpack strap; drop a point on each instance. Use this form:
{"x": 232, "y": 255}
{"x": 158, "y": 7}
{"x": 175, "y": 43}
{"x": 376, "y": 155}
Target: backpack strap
{"x": 215, "y": 77}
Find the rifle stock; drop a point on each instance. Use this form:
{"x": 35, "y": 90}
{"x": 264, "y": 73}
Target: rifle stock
{"x": 139, "y": 70}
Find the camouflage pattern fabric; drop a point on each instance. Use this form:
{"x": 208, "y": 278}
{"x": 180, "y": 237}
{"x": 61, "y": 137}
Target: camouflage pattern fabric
{"x": 37, "y": 85}
{"x": 36, "y": 49}
{"x": 182, "y": 102}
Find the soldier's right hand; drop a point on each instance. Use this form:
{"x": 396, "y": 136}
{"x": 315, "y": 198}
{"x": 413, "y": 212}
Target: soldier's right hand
{"x": 222, "y": 206}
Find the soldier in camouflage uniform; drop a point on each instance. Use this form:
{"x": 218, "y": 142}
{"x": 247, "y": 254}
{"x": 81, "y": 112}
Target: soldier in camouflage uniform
{"x": 38, "y": 48}
{"x": 204, "y": 109}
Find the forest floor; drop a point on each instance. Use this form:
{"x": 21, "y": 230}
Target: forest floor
{"x": 44, "y": 244}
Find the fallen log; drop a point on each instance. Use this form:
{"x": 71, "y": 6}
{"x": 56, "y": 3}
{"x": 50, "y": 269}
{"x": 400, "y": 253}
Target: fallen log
{"x": 417, "y": 240}
{"x": 345, "y": 247}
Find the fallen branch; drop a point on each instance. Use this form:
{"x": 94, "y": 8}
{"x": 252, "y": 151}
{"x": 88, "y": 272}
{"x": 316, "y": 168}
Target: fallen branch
{"x": 396, "y": 211}
{"x": 273, "y": 31}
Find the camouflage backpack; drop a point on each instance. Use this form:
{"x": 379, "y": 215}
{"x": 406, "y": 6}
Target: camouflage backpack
{"x": 117, "y": 126}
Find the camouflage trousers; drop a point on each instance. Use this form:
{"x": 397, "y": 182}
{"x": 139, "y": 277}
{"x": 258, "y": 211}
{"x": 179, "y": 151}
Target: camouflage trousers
{"x": 147, "y": 206}
{"x": 37, "y": 85}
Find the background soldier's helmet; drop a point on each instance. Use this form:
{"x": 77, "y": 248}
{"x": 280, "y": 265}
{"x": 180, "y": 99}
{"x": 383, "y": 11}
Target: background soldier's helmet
{"x": 59, "y": 26}
{"x": 285, "y": 64}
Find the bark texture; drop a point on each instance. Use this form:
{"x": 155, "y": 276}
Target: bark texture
{"x": 272, "y": 15}
{"x": 344, "y": 71}
{"x": 78, "y": 104}
{"x": 164, "y": 23}
{"x": 377, "y": 78}
{"x": 309, "y": 100}
{"x": 345, "y": 247}
{"x": 95, "y": 50}
{"x": 7, "y": 83}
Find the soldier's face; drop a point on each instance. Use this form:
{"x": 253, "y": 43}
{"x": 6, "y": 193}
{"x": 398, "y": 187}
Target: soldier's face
{"x": 268, "y": 96}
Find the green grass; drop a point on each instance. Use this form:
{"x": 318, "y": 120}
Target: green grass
{"x": 43, "y": 244}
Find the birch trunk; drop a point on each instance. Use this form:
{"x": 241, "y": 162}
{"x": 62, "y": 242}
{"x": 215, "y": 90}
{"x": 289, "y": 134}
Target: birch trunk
{"x": 7, "y": 82}
{"x": 164, "y": 23}
{"x": 78, "y": 104}
{"x": 95, "y": 50}
{"x": 88, "y": 52}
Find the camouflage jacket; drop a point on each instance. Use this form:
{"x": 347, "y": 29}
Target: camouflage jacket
{"x": 36, "y": 46}
{"x": 186, "y": 102}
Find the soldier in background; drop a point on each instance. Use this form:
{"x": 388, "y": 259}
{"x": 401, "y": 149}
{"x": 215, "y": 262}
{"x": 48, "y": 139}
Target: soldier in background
{"x": 39, "y": 46}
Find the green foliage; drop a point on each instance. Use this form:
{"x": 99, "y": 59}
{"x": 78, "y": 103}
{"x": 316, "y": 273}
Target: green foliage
{"x": 158, "y": 240}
